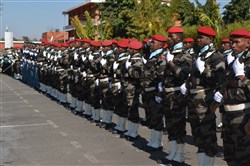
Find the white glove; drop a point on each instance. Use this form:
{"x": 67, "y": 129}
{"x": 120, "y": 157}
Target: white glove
{"x": 49, "y": 55}
{"x": 183, "y": 89}
{"x": 55, "y": 68}
{"x": 103, "y": 62}
{"x": 200, "y": 65}
{"x": 160, "y": 88}
{"x": 115, "y": 65}
{"x": 158, "y": 99}
{"x": 238, "y": 68}
{"x": 55, "y": 58}
{"x": 128, "y": 64}
{"x": 44, "y": 53}
{"x": 230, "y": 58}
{"x": 91, "y": 57}
{"x": 83, "y": 58}
{"x": 84, "y": 74}
{"x": 118, "y": 84}
{"x": 71, "y": 67}
{"x": 75, "y": 56}
{"x": 97, "y": 81}
{"x": 170, "y": 57}
{"x": 218, "y": 97}
{"x": 144, "y": 60}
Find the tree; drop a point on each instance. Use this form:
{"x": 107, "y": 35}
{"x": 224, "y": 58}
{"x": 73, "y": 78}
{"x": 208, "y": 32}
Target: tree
{"x": 79, "y": 29}
{"x": 25, "y": 38}
{"x": 110, "y": 13}
{"x": 236, "y": 11}
{"x": 184, "y": 10}
{"x": 148, "y": 17}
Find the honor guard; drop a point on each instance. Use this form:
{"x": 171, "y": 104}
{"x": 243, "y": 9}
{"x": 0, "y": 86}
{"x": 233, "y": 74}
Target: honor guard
{"x": 95, "y": 58}
{"x": 235, "y": 96}
{"x": 178, "y": 67}
{"x": 153, "y": 76}
{"x": 119, "y": 81}
{"x": 188, "y": 45}
{"x": 134, "y": 68}
{"x": 106, "y": 75}
{"x": 207, "y": 75}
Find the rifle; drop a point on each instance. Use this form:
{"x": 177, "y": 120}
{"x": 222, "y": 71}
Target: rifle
{"x": 229, "y": 75}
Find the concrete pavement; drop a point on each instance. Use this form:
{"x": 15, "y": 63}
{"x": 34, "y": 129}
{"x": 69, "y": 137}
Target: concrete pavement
{"x": 38, "y": 131}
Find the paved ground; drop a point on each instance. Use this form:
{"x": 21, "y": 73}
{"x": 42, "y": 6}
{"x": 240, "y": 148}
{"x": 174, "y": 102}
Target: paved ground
{"x": 36, "y": 131}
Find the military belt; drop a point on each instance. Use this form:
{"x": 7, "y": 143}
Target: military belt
{"x": 149, "y": 89}
{"x": 60, "y": 70}
{"x": 104, "y": 79}
{"x": 237, "y": 107}
{"x": 117, "y": 84}
{"x": 193, "y": 91}
{"x": 90, "y": 75}
{"x": 172, "y": 89}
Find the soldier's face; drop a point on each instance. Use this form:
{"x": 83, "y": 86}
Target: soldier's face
{"x": 155, "y": 45}
{"x": 239, "y": 45}
{"x": 203, "y": 40}
{"x": 106, "y": 48}
{"x": 188, "y": 45}
{"x": 85, "y": 45}
{"x": 226, "y": 46}
{"x": 173, "y": 39}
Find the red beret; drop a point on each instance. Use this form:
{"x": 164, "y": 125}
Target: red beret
{"x": 57, "y": 45}
{"x": 114, "y": 41}
{"x": 131, "y": 39}
{"x": 70, "y": 41}
{"x": 165, "y": 46}
{"x": 159, "y": 38}
{"x": 64, "y": 44}
{"x": 146, "y": 40}
{"x": 46, "y": 42}
{"x": 106, "y": 43}
{"x": 95, "y": 43}
{"x": 123, "y": 43}
{"x": 135, "y": 45}
{"x": 83, "y": 40}
{"x": 175, "y": 30}
{"x": 226, "y": 40}
{"x": 189, "y": 40}
{"x": 206, "y": 31}
{"x": 240, "y": 33}
{"x": 43, "y": 41}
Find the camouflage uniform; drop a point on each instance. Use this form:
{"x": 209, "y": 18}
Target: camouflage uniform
{"x": 133, "y": 90}
{"x": 202, "y": 87}
{"x": 153, "y": 74}
{"x": 106, "y": 76}
{"x": 119, "y": 82}
{"x": 176, "y": 73}
{"x": 236, "y": 114}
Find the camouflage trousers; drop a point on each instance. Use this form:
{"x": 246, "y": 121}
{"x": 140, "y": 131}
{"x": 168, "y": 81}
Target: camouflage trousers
{"x": 96, "y": 96}
{"x": 107, "y": 97}
{"x": 155, "y": 111}
{"x": 176, "y": 124}
{"x": 120, "y": 102}
{"x": 236, "y": 142}
{"x": 204, "y": 131}
{"x": 133, "y": 93}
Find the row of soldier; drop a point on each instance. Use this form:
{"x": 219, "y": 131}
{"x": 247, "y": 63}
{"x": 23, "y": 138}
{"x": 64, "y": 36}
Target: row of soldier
{"x": 108, "y": 77}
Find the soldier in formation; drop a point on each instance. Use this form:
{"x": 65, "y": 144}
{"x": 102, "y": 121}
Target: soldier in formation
{"x": 96, "y": 79}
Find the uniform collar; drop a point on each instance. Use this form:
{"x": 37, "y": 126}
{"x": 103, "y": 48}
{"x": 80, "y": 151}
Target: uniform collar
{"x": 155, "y": 53}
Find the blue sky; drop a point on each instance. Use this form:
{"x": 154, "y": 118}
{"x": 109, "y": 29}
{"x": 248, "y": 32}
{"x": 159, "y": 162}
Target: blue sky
{"x": 33, "y": 17}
